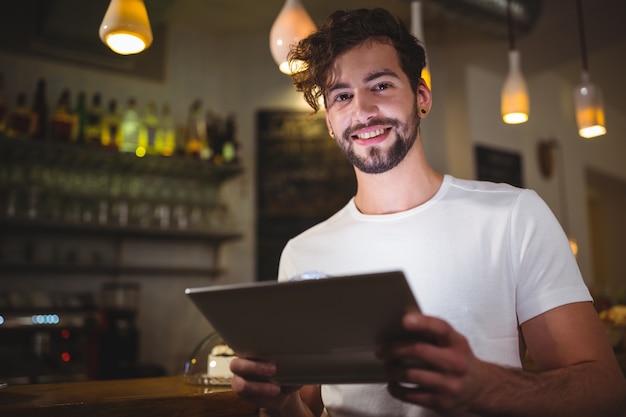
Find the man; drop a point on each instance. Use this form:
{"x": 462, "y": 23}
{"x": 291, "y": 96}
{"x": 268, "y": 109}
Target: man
{"x": 488, "y": 263}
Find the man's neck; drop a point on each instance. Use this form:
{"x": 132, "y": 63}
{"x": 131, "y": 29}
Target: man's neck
{"x": 410, "y": 184}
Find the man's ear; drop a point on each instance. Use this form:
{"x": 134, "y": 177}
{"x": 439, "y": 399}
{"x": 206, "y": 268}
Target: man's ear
{"x": 424, "y": 98}
{"x": 331, "y": 131}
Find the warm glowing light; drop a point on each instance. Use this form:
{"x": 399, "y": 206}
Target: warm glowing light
{"x": 212, "y": 364}
{"x": 140, "y": 151}
{"x": 515, "y": 105}
{"x": 65, "y": 357}
{"x": 589, "y": 109}
{"x": 573, "y": 245}
{"x": 65, "y": 334}
{"x": 126, "y": 27}
{"x": 292, "y": 25}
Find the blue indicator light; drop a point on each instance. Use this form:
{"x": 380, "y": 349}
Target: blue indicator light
{"x": 45, "y": 319}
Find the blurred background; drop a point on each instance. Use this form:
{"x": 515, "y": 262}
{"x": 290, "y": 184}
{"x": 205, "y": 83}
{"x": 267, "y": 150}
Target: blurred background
{"x": 98, "y": 242}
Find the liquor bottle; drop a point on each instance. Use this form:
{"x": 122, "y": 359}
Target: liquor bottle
{"x": 93, "y": 128}
{"x": 215, "y": 133}
{"x": 40, "y": 110}
{"x": 166, "y": 139}
{"x": 230, "y": 147}
{"x": 80, "y": 115}
{"x": 111, "y": 132}
{"x": 62, "y": 121}
{"x": 21, "y": 121}
{"x": 197, "y": 144}
{"x": 130, "y": 127}
{"x": 149, "y": 129}
{"x": 3, "y": 107}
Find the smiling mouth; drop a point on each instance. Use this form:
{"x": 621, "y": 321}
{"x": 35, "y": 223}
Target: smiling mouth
{"x": 369, "y": 135}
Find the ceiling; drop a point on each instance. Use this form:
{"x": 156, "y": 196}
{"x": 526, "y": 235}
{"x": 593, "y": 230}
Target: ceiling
{"x": 553, "y": 38}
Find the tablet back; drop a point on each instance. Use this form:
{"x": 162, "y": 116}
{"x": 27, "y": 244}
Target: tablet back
{"x": 316, "y": 331}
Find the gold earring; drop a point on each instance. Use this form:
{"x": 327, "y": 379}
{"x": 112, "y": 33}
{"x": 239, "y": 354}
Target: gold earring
{"x": 332, "y": 133}
{"x": 423, "y": 111}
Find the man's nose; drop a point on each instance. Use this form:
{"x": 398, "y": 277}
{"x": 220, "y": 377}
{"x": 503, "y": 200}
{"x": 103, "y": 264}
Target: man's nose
{"x": 364, "y": 108}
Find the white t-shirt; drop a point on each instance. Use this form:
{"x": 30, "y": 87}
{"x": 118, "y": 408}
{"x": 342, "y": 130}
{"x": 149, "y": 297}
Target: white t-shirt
{"x": 484, "y": 257}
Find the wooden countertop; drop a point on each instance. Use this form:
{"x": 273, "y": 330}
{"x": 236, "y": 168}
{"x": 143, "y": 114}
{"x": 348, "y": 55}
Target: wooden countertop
{"x": 154, "y": 397}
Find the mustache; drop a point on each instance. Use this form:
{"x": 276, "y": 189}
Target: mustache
{"x": 379, "y": 121}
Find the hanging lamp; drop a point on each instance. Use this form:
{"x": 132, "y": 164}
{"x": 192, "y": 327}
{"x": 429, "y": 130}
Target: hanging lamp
{"x": 587, "y": 96}
{"x": 292, "y": 24}
{"x": 514, "y": 104}
{"x": 125, "y": 27}
{"x": 417, "y": 29}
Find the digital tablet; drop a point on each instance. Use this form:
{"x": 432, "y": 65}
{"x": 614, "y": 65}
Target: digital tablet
{"x": 320, "y": 331}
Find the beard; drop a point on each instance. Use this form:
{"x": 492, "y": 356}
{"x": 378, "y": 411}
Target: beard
{"x": 378, "y": 160}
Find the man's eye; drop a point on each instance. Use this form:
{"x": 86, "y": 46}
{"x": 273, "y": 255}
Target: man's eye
{"x": 382, "y": 86}
{"x": 342, "y": 97}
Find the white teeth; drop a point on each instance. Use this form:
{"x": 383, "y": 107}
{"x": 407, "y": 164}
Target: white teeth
{"x": 371, "y": 134}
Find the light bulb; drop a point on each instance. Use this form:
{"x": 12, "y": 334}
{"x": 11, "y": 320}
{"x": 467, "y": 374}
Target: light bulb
{"x": 589, "y": 109}
{"x": 125, "y": 27}
{"x": 514, "y": 99}
{"x": 292, "y": 25}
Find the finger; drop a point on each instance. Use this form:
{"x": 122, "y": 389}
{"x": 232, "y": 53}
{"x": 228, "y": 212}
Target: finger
{"x": 403, "y": 357}
{"x": 252, "y": 369}
{"x": 421, "y": 395}
{"x": 252, "y": 389}
{"x": 431, "y": 328}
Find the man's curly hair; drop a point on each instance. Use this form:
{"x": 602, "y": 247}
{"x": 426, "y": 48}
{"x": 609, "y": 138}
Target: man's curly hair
{"x": 342, "y": 31}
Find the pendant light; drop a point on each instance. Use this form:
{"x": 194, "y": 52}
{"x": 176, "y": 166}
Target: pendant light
{"x": 292, "y": 24}
{"x": 418, "y": 31}
{"x": 587, "y": 97}
{"x": 126, "y": 27}
{"x": 514, "y": 103}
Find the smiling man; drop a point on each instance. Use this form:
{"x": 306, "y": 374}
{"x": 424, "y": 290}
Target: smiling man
{"x": 488, "y": 263}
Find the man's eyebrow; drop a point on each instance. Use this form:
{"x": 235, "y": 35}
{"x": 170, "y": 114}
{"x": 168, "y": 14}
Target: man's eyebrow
{"x": 370, "y": 77}
{"x": 380, "y": 73}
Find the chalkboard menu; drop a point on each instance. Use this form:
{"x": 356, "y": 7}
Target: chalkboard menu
{"x": 498, "y": 165}
{"x": 302, "y": 179}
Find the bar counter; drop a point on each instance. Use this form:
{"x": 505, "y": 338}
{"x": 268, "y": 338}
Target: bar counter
{"x": 155, "y": 397}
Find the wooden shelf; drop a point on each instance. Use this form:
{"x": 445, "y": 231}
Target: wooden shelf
{"x": 48, "y": 227}
{"x": 82, "y": 157}
{"x": 49, "y": 268}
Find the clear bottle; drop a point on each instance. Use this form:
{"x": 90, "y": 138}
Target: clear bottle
{"x": 93, "y": 127}
{"x": 166, "y": 139}
{"x": 130, "y": 127}
{"x": 149, "y": 129}
{"x": 111, "y": 133}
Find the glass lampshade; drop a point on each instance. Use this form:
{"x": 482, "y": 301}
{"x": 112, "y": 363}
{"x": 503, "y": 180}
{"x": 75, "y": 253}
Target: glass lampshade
{"x": 589, "y": 109}
{"x": 126, "y": 27}
{"x": 514, "y": 100}
{"x": 292, "y": 25}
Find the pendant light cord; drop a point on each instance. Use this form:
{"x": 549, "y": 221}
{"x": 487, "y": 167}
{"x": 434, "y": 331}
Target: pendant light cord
{"x": 509, "y": 18}
{"x": 581, "y": 30}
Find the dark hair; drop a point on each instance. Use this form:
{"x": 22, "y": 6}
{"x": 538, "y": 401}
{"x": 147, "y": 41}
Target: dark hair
{"x": 342, "y": 31}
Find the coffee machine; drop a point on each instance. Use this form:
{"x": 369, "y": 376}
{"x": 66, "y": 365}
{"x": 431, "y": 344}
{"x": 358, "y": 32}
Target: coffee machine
{"x": 47, "y": 337}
